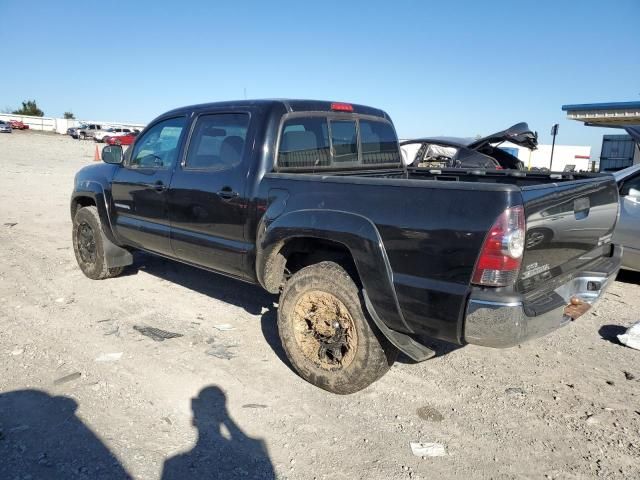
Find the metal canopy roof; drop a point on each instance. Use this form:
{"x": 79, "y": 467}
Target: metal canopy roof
{"x": 612, "y": 114}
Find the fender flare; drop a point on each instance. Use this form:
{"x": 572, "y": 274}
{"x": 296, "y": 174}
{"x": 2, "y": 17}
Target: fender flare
{"x": 116, "y": 255}
{"x": 94, "y": 190}
{"x": 356, "y": 232}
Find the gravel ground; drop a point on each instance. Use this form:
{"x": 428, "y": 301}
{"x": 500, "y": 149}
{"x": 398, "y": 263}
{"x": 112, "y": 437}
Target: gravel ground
{"x": 85, "y": 395}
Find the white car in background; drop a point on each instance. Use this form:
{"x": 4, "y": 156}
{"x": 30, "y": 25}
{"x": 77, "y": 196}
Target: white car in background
{"x": 627, "y": 231}
{"x": 111, "y": 132}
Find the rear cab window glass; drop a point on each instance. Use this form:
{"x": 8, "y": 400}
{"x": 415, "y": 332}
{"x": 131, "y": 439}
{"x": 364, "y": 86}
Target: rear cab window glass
{"x": 304, "y": 143}
{"x": 344, "y": 137}
{"x": 217, "y": 141}
{"x": 327, "y": 141}
{"x": 378, "y": 142}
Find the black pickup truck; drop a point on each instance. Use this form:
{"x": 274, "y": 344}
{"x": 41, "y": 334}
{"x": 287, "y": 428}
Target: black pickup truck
{"x": 311, "y": 200}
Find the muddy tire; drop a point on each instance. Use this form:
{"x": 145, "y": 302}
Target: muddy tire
{"x": 88, "y": 245}
{"x": 326, "y": 333}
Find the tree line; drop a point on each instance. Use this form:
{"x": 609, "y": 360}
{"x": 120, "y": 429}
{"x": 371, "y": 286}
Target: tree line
{"x": 29, "y": 107}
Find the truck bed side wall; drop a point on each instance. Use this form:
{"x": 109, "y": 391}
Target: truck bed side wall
{"x": 431, "y": 235}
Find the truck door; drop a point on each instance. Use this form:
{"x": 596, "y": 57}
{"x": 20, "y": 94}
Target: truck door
{"x": 207, "y": 206}
{"x": 139, "y": 187}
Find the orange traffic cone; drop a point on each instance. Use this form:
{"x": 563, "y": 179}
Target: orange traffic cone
{"x": 96, "y": 157}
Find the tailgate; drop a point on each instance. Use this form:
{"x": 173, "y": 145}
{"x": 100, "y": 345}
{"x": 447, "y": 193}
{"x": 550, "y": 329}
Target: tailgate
{"x": 569, "y": 225}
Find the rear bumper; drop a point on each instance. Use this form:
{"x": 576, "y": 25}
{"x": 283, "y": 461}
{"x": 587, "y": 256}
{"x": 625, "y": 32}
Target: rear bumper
{"x": 506, "y": 324}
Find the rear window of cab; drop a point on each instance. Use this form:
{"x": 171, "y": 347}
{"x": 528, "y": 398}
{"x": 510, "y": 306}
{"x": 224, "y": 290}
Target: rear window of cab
{"x": 327, "y": 142}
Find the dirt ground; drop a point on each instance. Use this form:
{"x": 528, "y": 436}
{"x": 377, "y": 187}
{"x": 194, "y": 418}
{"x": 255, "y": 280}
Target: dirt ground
{"x": 85, "y": 395}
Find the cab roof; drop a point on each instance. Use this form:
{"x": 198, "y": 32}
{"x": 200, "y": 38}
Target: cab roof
{"x": 291, "y": 105}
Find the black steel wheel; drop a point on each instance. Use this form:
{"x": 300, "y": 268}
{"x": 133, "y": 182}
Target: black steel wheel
{"x": 88, "y": 245}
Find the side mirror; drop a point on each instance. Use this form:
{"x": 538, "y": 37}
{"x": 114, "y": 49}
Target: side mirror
{"x": 112, "y": 154}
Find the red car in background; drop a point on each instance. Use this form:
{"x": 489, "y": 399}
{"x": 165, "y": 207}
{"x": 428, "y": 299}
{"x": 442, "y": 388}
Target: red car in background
{"x": 18, "y": 125}
{"x": 121, "y": 140}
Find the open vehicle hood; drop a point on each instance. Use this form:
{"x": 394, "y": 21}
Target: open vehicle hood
{"x": 520, "y": 134}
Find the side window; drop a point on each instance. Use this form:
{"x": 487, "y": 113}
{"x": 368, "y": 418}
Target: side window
{"x": 378, "y": 142}
{"x": 344, "y": 139}
{"x": 631, "y": 183}
{"x": 304, "y": 142}
{"x": 158, "y": 148}
{"x": 217, "y": 141}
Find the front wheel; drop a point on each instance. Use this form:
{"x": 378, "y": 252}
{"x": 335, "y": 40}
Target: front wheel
{"x": 325, "y": 331}
{"x": 89, "y": 247}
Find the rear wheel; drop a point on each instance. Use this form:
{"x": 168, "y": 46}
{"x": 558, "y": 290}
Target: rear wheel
{"x": 325, "y": 331}
{"x": 88, "y": 245}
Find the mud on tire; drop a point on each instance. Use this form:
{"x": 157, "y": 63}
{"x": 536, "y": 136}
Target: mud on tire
{"x": 326, "y": 333}
{"x": 88, "y": 246}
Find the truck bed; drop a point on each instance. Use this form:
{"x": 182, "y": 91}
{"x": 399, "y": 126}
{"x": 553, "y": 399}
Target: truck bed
{"x": 432, "y": 250}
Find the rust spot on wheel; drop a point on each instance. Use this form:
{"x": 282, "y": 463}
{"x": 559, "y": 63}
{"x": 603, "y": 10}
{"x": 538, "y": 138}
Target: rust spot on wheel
{"x": 324, "y": 330}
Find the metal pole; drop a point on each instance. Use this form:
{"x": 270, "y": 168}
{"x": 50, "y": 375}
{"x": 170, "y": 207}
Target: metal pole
{"x": 554, "y": 132}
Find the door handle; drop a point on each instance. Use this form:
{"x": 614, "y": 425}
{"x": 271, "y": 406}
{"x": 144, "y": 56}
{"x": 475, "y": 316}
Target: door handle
{"x": 227, "y": 194}
{"x": 159, "y": 186}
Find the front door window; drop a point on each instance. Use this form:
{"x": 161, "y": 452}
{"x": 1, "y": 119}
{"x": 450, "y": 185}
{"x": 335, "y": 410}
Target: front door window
{"x": 158, "y": 147}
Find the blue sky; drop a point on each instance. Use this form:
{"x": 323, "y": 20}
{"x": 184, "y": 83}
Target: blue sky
{"x": 439, "y": 68}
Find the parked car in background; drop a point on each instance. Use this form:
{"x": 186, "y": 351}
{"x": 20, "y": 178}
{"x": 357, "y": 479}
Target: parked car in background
{"x": 18, "y": 125}
{"x": 110, "y": 132}
{"x": 84, "y": 131}
{"x": 122, "y": 139}
{"x": 5, "y": 127}
{"x": 627, "y": 230}
{"x": 455, "y": 152}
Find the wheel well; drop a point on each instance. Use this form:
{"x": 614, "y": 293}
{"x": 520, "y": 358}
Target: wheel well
{"x": 298, "y": 253}
{"x": 80, "y": 202}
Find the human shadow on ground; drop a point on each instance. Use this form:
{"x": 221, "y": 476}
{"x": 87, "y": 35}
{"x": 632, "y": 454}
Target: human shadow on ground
{"x": 41, "y": 437}
{"x": 222, "y": 450}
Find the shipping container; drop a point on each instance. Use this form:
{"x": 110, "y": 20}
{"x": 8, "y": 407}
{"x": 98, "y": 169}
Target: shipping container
{"x": 617, "y": 152}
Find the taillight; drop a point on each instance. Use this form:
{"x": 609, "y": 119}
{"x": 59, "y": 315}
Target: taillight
{"x": 341, "y": 107}
{"x": 502, "y": 250}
